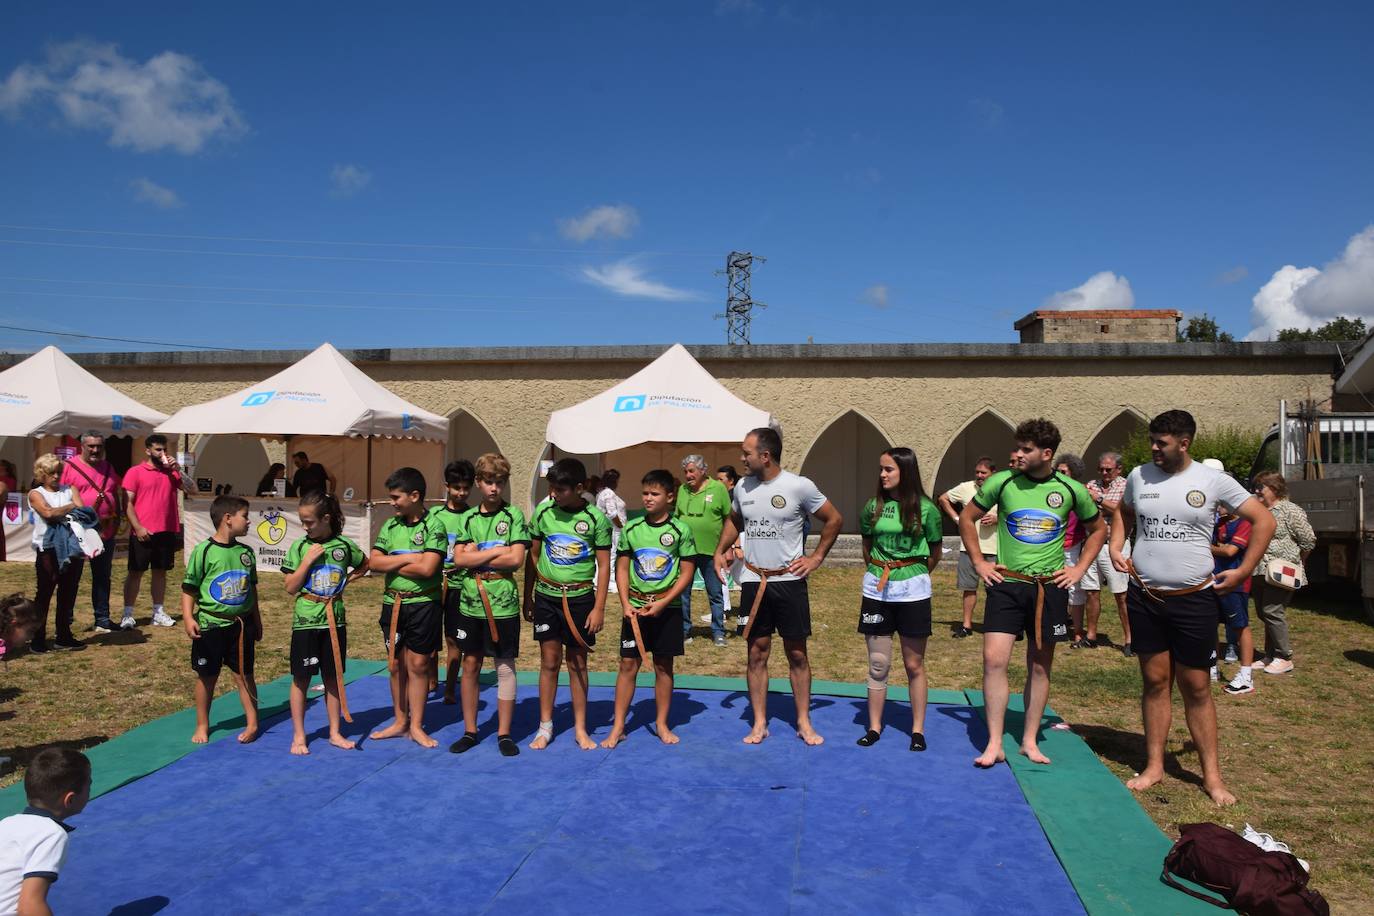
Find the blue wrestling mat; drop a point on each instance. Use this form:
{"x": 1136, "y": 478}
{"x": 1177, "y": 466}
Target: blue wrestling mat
{"x": 707, "y": 826}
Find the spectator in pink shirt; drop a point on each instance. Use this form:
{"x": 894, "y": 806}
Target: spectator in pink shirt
{"x": 1107, "y": 492}
{"x": 98, "y": 483}
{"x": 151, "y": 501}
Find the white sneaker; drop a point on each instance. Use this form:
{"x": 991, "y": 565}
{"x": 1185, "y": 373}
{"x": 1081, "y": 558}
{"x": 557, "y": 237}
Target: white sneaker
{"x": 1216, "y": 675}
{"x": 1261, "y": 662}
{"x": 1278, "y": 666}
{"x": 705, "y": 618}
{"x": 127, "y": 622}
{"x": 1240, "y": 684}
{"x": 161, "y": 619}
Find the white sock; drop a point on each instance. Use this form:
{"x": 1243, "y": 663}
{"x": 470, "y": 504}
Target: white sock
{"x": 1244, "y": 674}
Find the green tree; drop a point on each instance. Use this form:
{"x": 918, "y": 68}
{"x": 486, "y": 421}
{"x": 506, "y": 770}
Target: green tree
{"x": 1232, "y": 446}
{"x": 1340, "y": 329}
{"x": 1203, "y": 329}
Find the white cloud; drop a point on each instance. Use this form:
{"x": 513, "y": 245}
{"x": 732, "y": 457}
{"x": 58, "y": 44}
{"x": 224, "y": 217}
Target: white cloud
{"x": 608, "y": 221}
{"x": 152, "y": 193}
{"x": 878, "y": 295}
{"x": 1234, "y": 275}
{"x": 166, "y": 102}
{"x": 1308, "y": 297}
{"x": 626, "y": 278}
{"x": 1103, "y": 290}
{"x": 349, "y": 179}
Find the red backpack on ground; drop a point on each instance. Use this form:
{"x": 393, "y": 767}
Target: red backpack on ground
{"x": 1250, "y": 879}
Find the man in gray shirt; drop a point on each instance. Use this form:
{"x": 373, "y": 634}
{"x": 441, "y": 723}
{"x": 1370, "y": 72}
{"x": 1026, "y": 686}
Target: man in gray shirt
{"x": 770, "y": 506}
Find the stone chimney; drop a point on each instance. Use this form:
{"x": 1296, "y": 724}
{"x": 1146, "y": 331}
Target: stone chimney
{"x": 1134, "y": 325}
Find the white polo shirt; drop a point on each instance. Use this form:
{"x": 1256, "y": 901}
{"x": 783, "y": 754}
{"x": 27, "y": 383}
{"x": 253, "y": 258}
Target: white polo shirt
{"x": 33, "y": 844}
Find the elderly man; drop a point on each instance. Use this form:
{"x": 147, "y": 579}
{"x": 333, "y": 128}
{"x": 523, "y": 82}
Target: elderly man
{"x": 98, "y": 483}
{"x": 703, "y": 504}
{"x": 1106, "y": 491}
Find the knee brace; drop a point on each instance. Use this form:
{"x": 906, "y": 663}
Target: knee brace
{"x": 879, "y": 661}
{"x": 505, "y": 679}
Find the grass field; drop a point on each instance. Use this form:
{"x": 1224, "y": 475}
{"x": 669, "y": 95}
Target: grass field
{"x": 1296, "y": 752}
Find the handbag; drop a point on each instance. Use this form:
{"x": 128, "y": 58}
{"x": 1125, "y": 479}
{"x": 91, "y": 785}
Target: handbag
{"x": 1285, "y": 574}
{"x": 1248, "y": 878}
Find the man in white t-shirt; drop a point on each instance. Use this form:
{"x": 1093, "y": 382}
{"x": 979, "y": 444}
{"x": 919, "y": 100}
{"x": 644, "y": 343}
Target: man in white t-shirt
{"x": 770, "y": 506}
{"x": 951, "y": 503}
{"x": 33, "y": 843}
{"x": 1172, "y": 598}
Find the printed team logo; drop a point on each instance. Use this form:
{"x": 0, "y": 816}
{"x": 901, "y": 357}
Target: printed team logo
{"x": 1034, "y": 526}
{"x": 871, "y": 618}
{"x": 326, "y": 580}
{"x": 667, "y": 539}
{"x": 230, "y": 588}
{"x": 503, "y": 528}
{"x": 338, "y": 553}
{"x": 778, "y": 502}
{"x": 418, "y": 538}
{"x": 541, "y": 628}
{"x": 566, "y": 550}
{"x": 1054, "y": 500}
{"x": 652, "y": 565}
{"x": 1061, "y": 629}
{"x": 581, "y": 527}
{"x": 627, "y": 644}
{"x": 1196, "y": 498}
{"x": 245, "y": 559}
{"x": 272, "y": 528}
{"x": 202, "y": 662}
{"x": 310, "y": 662}
{"x": 461, "y": 634}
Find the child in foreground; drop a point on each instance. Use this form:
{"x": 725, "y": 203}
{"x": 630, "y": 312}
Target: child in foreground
{"x": 219, "y": 609}
{"x": 317, "y": 568}
{"x": 19, "y": 620}
{"x": 33, "y": 844}
{"x": 653, "y": 568}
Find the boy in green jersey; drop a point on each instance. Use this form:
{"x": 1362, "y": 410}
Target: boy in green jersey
{"x": 491, "y": 547}
{"x": 567, "y": 573}
{"x": 219, "y": 608}
{"x": 317, "y": 568}
{"x": 410, "y": 550}
{"x": 458, "y": 477}
{"x": 1028, "y": 588}
{"x": 653, "y": 567}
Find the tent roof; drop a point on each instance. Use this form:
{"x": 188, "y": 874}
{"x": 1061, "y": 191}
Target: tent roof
{"x": 673, "y": 399}
{"x": 321, "y": 395}
{"x": 49, "y": 395}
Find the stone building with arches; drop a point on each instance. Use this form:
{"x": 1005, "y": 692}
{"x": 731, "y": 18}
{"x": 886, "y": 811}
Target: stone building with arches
{"x": 837, "y": 405}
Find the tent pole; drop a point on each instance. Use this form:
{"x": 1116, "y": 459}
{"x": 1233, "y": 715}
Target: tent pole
{"x": 369, "y": 470}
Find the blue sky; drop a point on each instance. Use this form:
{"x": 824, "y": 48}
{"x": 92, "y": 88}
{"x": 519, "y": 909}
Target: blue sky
{"x": 552, "y": 173}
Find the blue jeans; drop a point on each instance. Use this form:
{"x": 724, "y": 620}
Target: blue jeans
{"x": 705, "y": 563}
{"x": 100, "y": 583}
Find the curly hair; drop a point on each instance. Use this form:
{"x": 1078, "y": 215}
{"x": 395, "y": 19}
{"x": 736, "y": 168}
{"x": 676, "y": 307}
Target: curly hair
{"x": 1039, "y": 432}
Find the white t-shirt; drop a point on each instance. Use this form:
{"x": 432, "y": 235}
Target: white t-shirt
{"x": 32, "y": 845}
{"x": 961, "y": 496}
{"x": 611, "y": 505}
{"x": 55, "y": 500}
{"x": 774, "y": 514}
{"x": 1175, "y": 516}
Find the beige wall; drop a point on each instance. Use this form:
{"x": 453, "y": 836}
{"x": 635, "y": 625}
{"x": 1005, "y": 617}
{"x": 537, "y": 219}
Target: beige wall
{"x": 920, "y": 402}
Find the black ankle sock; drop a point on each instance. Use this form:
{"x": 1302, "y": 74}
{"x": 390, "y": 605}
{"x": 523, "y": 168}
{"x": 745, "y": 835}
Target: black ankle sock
{"x": 918, "y": 741}
{"x": 507, "y": 745}
{"x": 869, "y": 739}
{"x": 464, "y": 744}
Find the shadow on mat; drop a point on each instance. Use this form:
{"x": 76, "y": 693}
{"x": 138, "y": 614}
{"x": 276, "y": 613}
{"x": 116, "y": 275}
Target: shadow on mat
{"x": 645, "y": 712}
{"x": 896, "y": 715}
{"x": 144, "y": 907}
{"x": 973, "y": 723}
{"x": 1128, "y": 749}
{"x": 1358, "y": 656}
{"x": 20, "y": 755}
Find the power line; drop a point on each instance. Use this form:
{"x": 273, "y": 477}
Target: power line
{"x": 270, "y": 289}
{"x": 274, "y": 305}
{"x": 156, "y": 343}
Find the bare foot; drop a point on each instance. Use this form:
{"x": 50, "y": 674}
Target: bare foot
{"x": 450, "y": 698}
{"x": 248, "y": 735}
{"x": 200, "y": 736}
{"x": 990, "y": 757}
{"x": 298, "y": 747}
{"x": 1032, "y": 753}
{"x": 340, "y": 741}
{"x": 666, "y": 735}
{"x": 756, "y": 734}
{"x": 417, "y": 734}
{"x": 1144, "y": 779}
{"x": 1221, "y": 796}
{"x": 394, "y": 730}
{"x": 585, "y": 741}
{"x": 809, "y": 735}
{"x": 614, "y": 738}
{"x": 540, "y": 742}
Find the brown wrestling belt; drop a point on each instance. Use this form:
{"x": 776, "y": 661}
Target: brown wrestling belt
{"x": 397, "y": 599}
{"x": 763, "y": 575}
{"x": 564, "y": 588}
{"x": 1158, "y": 595}
{"x": 490, "y": 576}
{"x": 334, "y": 642}
{"x": 637, "y": 596}
{"x": 1039, "y": 583}
{"x": 889, "y": 565}
{"x": 243, "y": 635}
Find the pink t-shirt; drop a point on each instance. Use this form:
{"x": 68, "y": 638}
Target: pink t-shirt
{"x": 153, "y": 497}
{"x": 98, "y": 478}
{"x": 1077, "y": 532}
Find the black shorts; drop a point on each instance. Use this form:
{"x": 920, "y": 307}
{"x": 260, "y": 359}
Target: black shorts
{"x": 158, "y": 552}
{"x": 883, "y": 618}
{"x": 1010, "y": 608}
{"x": 420, "y": 628}
{"x": 662, "y": 634}
{"x": 1185, "y": 626}
{"x": 452, "y": 612}
{"x": 548, "y": 618}
{"x": 219, "y": 647}
{"x": 473, "y": 635}
{"x": 786, "y": 609}
{"x": 311, "y": 652}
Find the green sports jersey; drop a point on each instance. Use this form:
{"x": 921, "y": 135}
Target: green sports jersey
{"x": 452, "y": 522}
{"x": 485, "y": 530}
{"x": 1032, "y": 518}
{"x": 569, "y": 541}
{"x": 705, "y": 512}
{"x": 224, "y": 578}
{"x": 891, "y": 540}
{"x": 423, "y": 536}
{"x": 656, "y": 552}
{"x": 325, "y": 580}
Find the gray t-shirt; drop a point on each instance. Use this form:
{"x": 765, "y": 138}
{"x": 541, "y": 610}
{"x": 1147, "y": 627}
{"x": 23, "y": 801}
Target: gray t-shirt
{"x": 774, "y": 514}
{"x": 1175, "y": 515}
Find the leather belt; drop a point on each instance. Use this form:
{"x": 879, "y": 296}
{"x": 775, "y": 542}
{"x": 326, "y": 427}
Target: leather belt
{"x": 1159, "y": 594}
{"x": 334, "y": 646}
{"x": 490, "y": 576}
{"x": 243, "y": 635}
{"x": 642, "y": 598}
{"x": 889, "y": 565}
{"x": 763, "y": 575}
{"x": 564, "y": 588}
{"x": 1039, "y": 583}
{"x": 397, "y": 598}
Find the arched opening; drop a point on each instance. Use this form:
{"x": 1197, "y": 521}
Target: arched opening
{"x": 468, "y": 437}
{"x": 843, "y": 463}
{"x": 1112, "y": 437}
{"x": 550, "y": 453}
{"x": 988, "y": 434}
{"x": 239, "y": 461}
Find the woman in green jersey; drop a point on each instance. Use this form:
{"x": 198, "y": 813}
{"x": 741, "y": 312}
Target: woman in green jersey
{"x": 901, "y": 532}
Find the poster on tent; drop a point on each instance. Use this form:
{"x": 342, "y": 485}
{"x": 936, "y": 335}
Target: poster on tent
{"x": 273, "y": 526}
{"x": 17, "y": 523}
